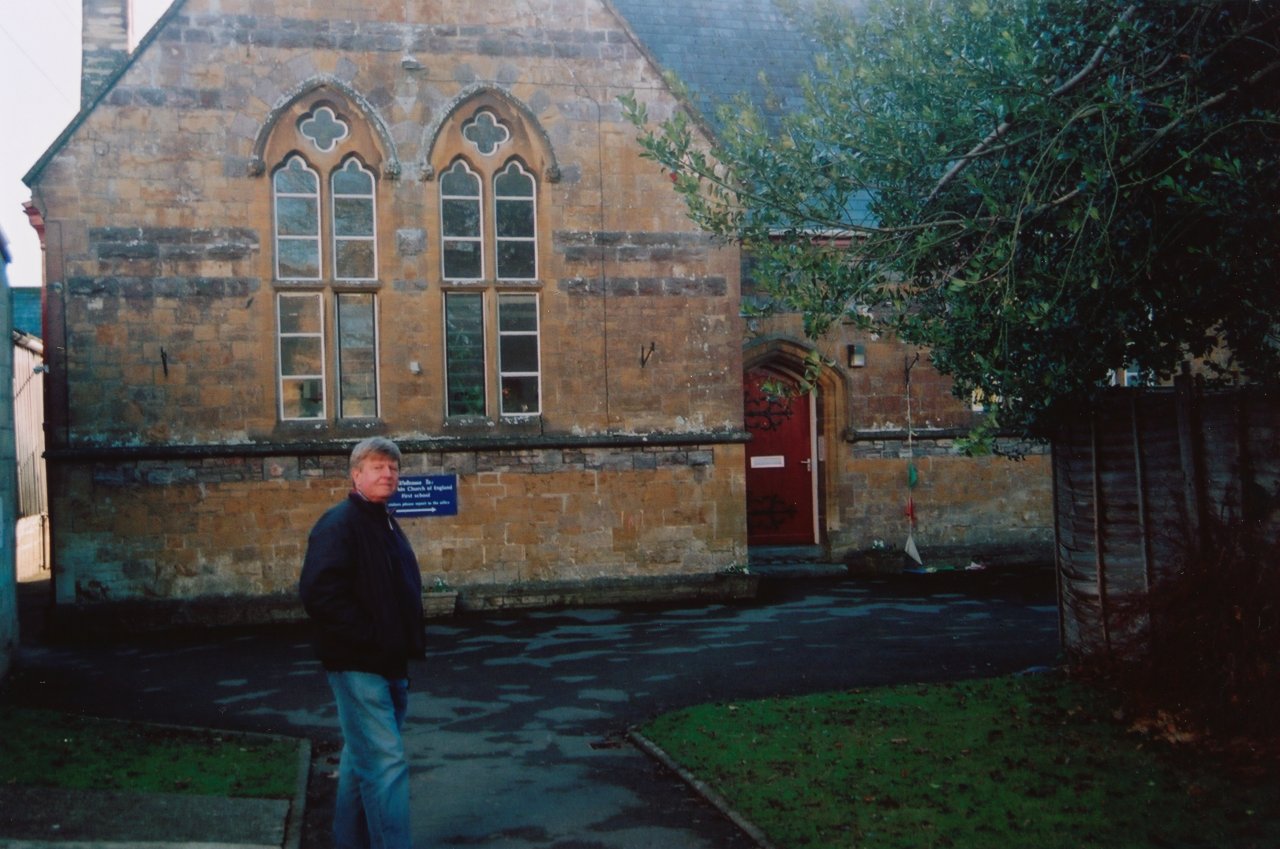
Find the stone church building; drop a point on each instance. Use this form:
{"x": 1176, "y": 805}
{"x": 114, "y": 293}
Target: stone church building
{"x": 276, "y": 228}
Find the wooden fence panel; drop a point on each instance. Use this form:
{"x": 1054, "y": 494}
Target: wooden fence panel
{"x": 1136, "y": 479}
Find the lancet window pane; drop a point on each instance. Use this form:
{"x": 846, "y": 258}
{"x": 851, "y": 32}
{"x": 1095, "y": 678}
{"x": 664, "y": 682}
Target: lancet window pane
{"x": 460, "y": 220}
{"x": 464, "y": 354}
{"x": 515, "y": 224}
{"x": 354, "y": 224}
{"x": 296, "y": 190}
{"x": 357, "y": 355}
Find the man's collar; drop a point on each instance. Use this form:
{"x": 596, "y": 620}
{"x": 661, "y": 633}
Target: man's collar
{"x": 360, "y": 498}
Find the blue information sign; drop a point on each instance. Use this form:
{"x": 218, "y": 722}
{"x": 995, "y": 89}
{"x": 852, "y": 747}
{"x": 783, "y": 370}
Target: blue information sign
{"x": 426, "y": 495}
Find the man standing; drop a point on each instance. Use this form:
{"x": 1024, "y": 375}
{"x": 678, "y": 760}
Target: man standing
{"x": 361, "y": 587}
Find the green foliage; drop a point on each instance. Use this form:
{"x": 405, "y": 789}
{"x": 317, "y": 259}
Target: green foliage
{"x": 48, "y": 749}
{"x": 1037, "y": 190}
{"x": 1021, "y": 761}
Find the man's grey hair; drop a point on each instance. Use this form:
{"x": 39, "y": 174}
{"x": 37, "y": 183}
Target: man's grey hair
{"x": 374, "y": 445}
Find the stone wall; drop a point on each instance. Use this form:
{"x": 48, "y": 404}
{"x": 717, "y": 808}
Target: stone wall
{"x": 988, "y": 509}
{"x": 174, "y": 475}
{"x": 236, "y": 525}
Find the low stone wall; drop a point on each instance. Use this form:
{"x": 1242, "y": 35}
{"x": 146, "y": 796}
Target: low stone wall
{"x": 226, "y": 534}
{"x": 980, "y": 508}
{"x": 732, "y": 586}
{"x": 97, "y": 619}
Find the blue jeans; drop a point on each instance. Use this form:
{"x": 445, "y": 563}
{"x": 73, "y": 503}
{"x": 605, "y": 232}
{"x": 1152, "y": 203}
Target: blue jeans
{"x": 372, "y": 807}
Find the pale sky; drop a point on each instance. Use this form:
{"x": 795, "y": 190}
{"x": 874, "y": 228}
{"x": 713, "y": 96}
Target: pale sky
{"x": 39, "y": 95}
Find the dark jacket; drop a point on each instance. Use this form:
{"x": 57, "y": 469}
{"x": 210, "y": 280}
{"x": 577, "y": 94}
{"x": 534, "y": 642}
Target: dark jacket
{"x": 361, "y": 587}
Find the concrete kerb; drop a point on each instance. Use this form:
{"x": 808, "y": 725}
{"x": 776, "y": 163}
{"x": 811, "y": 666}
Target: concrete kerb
{"x": 298, "y": 810}
{"x": 700, "y": 787}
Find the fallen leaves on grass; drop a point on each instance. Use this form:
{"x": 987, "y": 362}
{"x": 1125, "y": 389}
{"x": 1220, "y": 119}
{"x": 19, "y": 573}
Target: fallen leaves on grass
{"x": 1026, "y": 760}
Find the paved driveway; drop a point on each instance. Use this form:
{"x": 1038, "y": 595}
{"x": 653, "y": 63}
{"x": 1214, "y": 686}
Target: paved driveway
{"x": 517, "y": 721}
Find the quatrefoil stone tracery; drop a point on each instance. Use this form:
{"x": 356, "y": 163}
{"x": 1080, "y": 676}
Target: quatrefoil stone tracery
{"x": 485, "y": 132}
{"x": 324, "y": 129}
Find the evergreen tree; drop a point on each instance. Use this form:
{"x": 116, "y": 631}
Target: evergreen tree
{"x": 1039, "y": 191}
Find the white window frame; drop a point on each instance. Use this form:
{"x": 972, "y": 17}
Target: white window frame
{"x": 536, "y": 333}
{"x": 533, "y": 203}
{"x": 477, "y": 241}
{"x": 372, "y": 198}
{"x": 321, "y": 377}
{"x": 275, "y": 214}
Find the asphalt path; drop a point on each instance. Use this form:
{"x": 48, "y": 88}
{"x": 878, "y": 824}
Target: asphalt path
{"x": 517, "y": 722}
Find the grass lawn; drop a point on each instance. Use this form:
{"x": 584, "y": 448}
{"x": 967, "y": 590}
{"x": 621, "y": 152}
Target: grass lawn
{"x": 40, "y": 748}
{"x": 1027, "y": 761}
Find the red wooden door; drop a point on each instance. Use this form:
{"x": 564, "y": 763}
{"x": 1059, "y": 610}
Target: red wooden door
{"x": 780, "y": 472}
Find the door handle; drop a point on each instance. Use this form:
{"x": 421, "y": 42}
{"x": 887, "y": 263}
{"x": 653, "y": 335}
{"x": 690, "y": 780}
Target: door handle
{"x": 808, "y": 464}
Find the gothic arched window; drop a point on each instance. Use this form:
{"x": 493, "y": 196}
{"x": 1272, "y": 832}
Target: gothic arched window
{"x": 488, "y": 214}
{"x": 324, "y": 202}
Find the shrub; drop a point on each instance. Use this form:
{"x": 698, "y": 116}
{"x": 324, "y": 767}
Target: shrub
{"x": 1204, "y": 643}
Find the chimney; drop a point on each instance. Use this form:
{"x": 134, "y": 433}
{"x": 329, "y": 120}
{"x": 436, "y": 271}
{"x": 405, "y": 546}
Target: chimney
{"x": 105, "y": 34}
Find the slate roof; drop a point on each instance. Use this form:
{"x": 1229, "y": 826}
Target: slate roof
{"x": 720, "y": 48}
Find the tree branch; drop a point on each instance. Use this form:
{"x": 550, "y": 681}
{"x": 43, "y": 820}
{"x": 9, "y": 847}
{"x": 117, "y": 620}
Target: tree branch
{"x": 995, "y": 135}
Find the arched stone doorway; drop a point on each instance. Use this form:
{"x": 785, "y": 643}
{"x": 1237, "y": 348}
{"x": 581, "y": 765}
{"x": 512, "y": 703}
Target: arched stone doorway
{"x": 792, "y": 423}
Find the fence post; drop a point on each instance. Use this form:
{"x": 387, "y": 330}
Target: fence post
{"x": 1140, "y": 485}
{"x": 1099, "y": 558}
{"x": 1191, "y": 455}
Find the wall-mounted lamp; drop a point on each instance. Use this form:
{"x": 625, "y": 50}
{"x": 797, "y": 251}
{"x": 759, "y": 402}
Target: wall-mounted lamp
{"x": 857, "y": 356}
